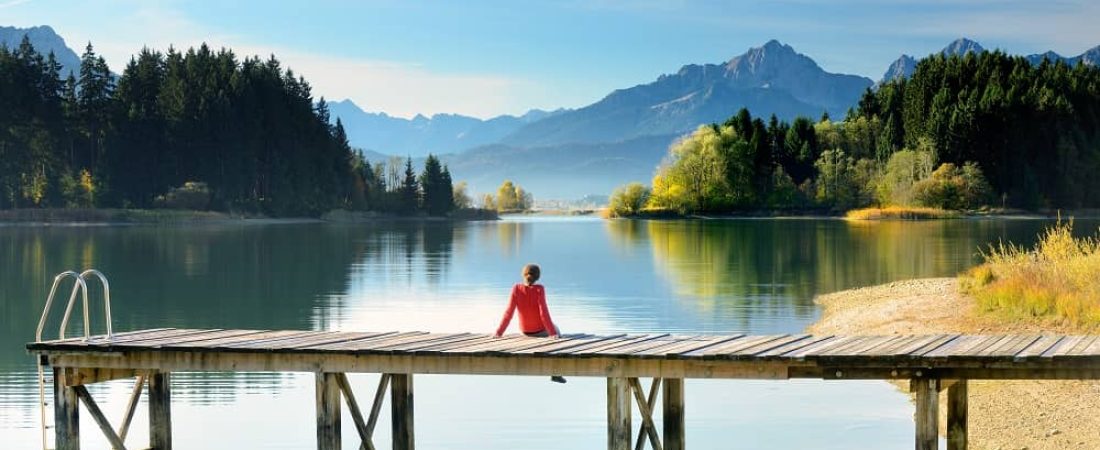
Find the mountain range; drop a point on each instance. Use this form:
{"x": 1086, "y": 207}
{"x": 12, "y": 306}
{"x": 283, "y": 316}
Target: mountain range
{"x": 441, "y": 133}
{"x": 620, "y": 138}
{"x": 904, "y": 66}
{"x": 45, "y": 40}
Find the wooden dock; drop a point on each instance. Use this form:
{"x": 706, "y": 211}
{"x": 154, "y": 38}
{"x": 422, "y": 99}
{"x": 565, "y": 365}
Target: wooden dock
{"x": 932, "y": 363}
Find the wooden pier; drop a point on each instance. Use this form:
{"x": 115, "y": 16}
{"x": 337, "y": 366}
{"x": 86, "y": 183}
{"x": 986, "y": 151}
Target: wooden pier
{"x": 932, "y": 363}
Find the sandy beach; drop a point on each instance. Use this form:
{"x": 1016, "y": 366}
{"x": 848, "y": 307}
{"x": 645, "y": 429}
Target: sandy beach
{"x": 1033, "y": 415}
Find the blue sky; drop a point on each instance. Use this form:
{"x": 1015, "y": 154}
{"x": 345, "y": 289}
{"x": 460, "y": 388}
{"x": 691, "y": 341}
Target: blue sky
{"x": 484, "y": 58}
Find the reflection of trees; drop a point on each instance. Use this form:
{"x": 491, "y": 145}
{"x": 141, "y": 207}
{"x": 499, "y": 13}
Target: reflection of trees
{"x": 760, "y": 261}
{"x": 264, "y": 277}
{"x": 512, "y": 235}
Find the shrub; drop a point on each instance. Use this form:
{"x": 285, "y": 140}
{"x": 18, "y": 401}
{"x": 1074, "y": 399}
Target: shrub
{"x": 628, "y": 200}
{"x": 193, "y": 195}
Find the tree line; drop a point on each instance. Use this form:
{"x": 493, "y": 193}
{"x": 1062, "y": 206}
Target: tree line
{"x": 960, "y": 133}
{"x": 246, "y": 133}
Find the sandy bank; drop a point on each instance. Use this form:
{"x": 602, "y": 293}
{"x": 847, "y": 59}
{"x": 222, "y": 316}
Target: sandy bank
{"x": 1029, "y": 415}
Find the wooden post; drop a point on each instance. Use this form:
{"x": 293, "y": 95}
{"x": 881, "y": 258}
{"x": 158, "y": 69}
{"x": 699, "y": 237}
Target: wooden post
{"x": 618, "y": 413}
{"x": 927, "y": 398}
{"x": 66, "y": 413}
{"x": 401, "y": 404}
{"x": 328, "y": 412}
{"x": 160, "y": 411}
{"x": 673, "y": 411}
{"x": 956, "y": 416}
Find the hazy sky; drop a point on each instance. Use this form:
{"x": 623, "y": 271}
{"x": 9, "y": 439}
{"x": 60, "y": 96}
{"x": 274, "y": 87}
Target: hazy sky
{"x": 484, "y": 58}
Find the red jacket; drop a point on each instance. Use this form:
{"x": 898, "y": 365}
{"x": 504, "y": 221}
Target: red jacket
{"x": 534, "y": 316}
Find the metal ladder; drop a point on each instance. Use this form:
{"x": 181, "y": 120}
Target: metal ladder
{"x": 80, "y": 286}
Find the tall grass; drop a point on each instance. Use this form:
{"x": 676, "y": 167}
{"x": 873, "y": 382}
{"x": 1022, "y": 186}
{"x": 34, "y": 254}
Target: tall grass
{"x": 1057, "y": 279}
{"x": 900, "y": 212}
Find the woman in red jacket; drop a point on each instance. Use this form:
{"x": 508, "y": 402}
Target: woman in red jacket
{"x": 534, "y": 317}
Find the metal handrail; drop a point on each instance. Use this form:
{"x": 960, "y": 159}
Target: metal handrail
{"x": 79, "y": 286}
{"x": 106, "y": 299}
{"x": 53, "y": 291}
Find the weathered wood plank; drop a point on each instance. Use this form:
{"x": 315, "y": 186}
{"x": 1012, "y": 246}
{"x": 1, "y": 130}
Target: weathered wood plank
{"x": 568, "y": 344}
{"x": 927, "y": 411}
{"x": 673, "y": 414}
{"x": 732, "y": 346}
{"x": 359, "y": 344}
{"x": 960, "y": 346}
{"x": 1039, "y": 347}
{"x": 438, "y": 348}
{"x": 638, "y": 346}
{"x": 328, "y": 411}
{"x": 66, "y": 412}
{"x": 691, "y": 346}
{"x": 781, "y": 351}
{"x": 596, "y": 345}
{"x": 824, "y": 345}
{"x": 921, "y": 348}
{"x": 228, "y": 340}
{"x": 618, "y": 414}
{"x": 258, "y": 339}
{"x": 169, "y": 342}
{"x": 752, "y": 351}
{"x": 160, "y": 411}
{"x": 401, "y": 406}
{"x": 1062, "y": 347}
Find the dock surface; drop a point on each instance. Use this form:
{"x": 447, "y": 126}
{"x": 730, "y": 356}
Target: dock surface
{"x": 932, "y": 363}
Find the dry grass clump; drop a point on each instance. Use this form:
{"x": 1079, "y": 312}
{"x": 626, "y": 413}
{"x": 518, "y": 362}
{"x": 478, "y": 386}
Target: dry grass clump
{"x": 1058, "y": 279}
{"x": 900, "y": 213}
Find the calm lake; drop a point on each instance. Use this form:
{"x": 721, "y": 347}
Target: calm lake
{"x": 722, "y": 276}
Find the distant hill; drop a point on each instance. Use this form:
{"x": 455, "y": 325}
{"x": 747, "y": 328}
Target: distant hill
{"x": 904, "y": 66}
{"x": 441, "y": 133}
{"x": 568, "y": 171}
{"x": 771, "y": 79}
{"x": 45, "y": 40}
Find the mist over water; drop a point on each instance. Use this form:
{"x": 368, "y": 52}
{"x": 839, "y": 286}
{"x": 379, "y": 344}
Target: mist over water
{"x": 688, "y": 277}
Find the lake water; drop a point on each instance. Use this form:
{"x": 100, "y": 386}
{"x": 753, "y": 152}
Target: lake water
{"x": 726, "y": 276}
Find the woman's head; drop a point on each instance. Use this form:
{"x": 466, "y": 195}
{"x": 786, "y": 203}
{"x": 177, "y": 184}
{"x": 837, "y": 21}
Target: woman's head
{"x": 531, "y": 273}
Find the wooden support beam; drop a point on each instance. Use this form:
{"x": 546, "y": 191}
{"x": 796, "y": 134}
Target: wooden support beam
{"x": 100, "y": 419}
{"x": 328, "y": 412}
{"x": 927, "y": 414}
{"x": 376, "y": 407}
{"x": 401, "y": 408}
{"x": 957, "y": 416}
{"x": 160, "y": 411}
{"x": 618, "y": 414}
{"x": 651, "y": 402}
{"x": 647, "y": 413}
{"x": 131, "y": 406}
{"x": 356, "y": 414}
{"x": 66, "y": 412}
{"x": 673, "y": 410}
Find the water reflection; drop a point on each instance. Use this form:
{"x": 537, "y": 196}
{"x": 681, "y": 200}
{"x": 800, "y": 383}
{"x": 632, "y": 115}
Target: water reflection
{"x": 755, "y": 276}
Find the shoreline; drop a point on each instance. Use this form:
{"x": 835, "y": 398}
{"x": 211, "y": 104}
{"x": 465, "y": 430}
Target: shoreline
{"x": 1014, "y": 414}
{"x": 98, "y": 217}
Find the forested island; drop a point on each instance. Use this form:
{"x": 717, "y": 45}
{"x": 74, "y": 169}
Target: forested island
{"x": 199, "y": 129}
{"x": 962, "y": 132}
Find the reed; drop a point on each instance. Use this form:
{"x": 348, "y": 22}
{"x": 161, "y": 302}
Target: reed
{"x": 900, "y": 213}
{"x": 1058, "y": 279}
